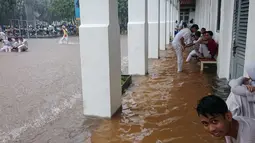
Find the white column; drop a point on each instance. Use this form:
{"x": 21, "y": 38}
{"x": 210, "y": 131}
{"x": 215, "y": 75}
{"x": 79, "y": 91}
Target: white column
{"x": 167, "y": 22}
{"x": 170, "y": 19}
{"x": 137, "y": 37}
{"x": 100, "y": 57}
{"x": 250, "y": 50}
{"x": 162, "y": 25}
{"x": 173, "y": 19}
{"x": 178, "y": 10}
{"x": 153, "y": 19}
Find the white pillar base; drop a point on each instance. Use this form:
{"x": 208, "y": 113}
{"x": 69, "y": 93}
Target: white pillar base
{"x": 162, "y": 35}
{"x": 100, "y": 64}
{"x": 137, "y": 48}
{"x": 153, "y": 40}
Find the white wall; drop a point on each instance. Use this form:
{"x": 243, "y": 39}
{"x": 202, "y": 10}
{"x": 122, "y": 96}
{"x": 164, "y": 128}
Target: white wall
{"x": 191, "y": 15}
{"x": 250, "y": 43}
{"x": 206, "y": 16}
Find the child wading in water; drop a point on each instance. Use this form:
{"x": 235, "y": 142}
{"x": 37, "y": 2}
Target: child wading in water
{"x": 65, "y": 35}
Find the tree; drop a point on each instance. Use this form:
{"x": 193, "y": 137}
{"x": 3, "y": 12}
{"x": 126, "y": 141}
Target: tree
{"x": 7, "y": 10}
{"x": 63, "y": 9}
{"x": 123, "y": 14}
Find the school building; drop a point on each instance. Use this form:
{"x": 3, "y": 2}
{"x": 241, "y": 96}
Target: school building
{"x": 151, "y": 24}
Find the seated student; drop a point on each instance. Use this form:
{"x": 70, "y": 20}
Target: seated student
{"x": 241, "y": 101}
{"x": 2, "y": 35}
{"x": 203, "y": 30}
{"x": 7, "y": 45}
{"x": 211, "y": 48}
{"x": 219, "y": 122}
{"x": 196, "y": 44}
{"x": 15, "y": 44}
{"x": 23, "y": 45}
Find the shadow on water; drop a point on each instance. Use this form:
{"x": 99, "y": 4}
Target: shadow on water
{"x": 160, "y": 108}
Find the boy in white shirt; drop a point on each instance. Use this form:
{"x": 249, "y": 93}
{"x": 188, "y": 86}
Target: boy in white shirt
{"x": 181, "y": 40}
{"x": 23, "y": 45}
{"x": 218, "y": 121}
{"x": 7, "y": 45}
{"x": 196, "y": 44}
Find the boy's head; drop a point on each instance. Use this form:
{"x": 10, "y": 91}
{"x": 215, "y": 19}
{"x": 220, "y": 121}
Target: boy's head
{"x": 9, "y": 39}
{"x": 203, "y": 30}
{"x": 208, "y": 35}
{"x": 194, "y": 28}
{"x": 184, "y": 25}
{"x": 214, "y": 115}
{"x": 197, "y": 35}
{"x": 16, "y": 39}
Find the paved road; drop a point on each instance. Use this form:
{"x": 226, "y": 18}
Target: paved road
{"x": 38, "y": 86}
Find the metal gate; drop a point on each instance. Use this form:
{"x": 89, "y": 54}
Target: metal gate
{"x": 240, "y": 24}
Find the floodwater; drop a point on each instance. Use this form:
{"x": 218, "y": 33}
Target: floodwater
{"x": 41, "y": 101}
{"x": 159, "y": 108}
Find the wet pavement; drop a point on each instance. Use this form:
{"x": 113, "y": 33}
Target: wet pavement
{"x": 41, "y": 101}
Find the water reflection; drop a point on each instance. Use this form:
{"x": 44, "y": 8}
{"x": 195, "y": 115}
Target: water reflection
{"x": 159, "y": 108}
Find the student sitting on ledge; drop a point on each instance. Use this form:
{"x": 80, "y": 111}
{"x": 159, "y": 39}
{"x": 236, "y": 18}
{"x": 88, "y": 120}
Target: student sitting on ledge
{"x": 211, "y": 48}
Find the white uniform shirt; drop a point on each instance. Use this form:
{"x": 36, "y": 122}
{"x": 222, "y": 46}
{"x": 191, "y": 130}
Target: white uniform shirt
{"x": 2, "y": 35}
{"x": 184, "y": 33}
{"x": 197, "y": 43}
{"x": 25, "y": 42}
{"x": 246, "y": 131}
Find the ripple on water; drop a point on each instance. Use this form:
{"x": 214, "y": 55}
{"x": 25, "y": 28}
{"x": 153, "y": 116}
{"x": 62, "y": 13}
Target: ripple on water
{"x": 159, "y": 108}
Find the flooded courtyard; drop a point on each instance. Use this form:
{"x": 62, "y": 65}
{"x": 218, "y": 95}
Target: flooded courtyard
{"x": 41, "y": 100}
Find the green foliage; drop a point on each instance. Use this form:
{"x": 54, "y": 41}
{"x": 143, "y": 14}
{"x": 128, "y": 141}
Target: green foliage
{"x": 123, "y": 14}
{"x": 63, "y": 9}
{"x": 6, "y": 10}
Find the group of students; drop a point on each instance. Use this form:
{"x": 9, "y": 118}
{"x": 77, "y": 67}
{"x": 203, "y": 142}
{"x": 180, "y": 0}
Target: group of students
{"x": 202, "y": 41}
{"x": 235, "y": 118}
{"x": 17, "y": 44}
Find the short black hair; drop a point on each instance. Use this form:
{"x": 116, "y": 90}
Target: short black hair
{"x": 198, "y": 34}
{"x": 194, "y": 26}
{"x": 209, "y": 32}
{"x": 184, "y": 24}
{"x": 203, "y": 29}
{"x": 212, "y": 105}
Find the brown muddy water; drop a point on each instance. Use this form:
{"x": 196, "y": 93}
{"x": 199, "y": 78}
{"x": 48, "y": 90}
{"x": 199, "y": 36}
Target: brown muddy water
{"x": 159, "y": 108}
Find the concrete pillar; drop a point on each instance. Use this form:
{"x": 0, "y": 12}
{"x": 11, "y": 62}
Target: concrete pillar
{"x": 167, "y": 19}
{"x": 250, "y": 50}
{"x": 137, "y": 37}
{"x": 162, "y": 25}
{"x": 100, "y": 57}
{"x": 178, "y": 10}
{"x": 171, "y": 19}
{"x": 153, "y": 20}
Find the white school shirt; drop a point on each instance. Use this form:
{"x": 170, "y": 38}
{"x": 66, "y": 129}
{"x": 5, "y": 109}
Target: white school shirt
{"x": 186, "y": 34}
{"x": 2, "y": 35}
{"x": 246, "y": 131}
{"x": 25, "y": 42}
{"x": 197, "y": 43}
